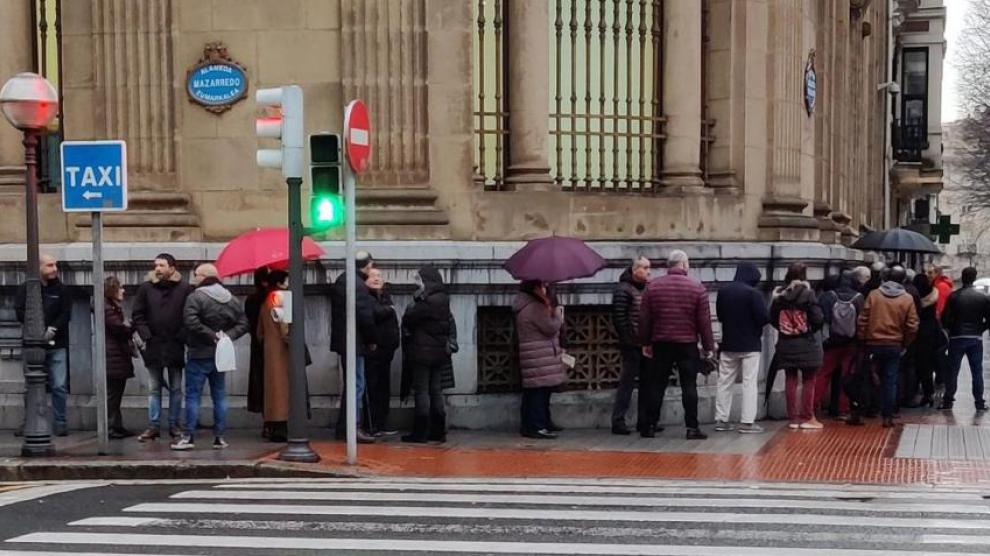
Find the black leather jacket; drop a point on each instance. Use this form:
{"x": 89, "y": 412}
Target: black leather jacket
{"x": 967, "y": 313}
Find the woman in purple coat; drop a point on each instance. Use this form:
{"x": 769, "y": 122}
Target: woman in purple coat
{"x": 538, "y": 325}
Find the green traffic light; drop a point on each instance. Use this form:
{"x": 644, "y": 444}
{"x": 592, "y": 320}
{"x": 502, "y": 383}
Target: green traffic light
{"x": 327, "y": 211}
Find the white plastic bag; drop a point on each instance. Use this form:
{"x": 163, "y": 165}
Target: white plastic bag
{"x": 225, "y": 357}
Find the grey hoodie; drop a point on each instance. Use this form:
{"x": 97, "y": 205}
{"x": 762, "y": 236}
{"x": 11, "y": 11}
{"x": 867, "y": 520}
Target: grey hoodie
{"x": 211, "y": 309}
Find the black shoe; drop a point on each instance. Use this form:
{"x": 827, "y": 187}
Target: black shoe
{"x": 981, "y": 405}
{"x": 438, "y": 428}
{"x": 945, "y": 406}
{"x": 554, "y": 427}
{"x": 542, "y": 434}
{"x": 118, "y": 434}
{"x": 695, "y": 434}
{"x": 61, "y": 429}
{"x": 420, "y": 432}
{"x": 648, "y": 432}
{"x": 855, "y": 421}
{"x": 888, "y": 422}
{"x": 621, "y": 429}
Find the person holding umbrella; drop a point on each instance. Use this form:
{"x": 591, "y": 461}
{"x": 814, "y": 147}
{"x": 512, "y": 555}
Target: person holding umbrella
{"x": 538, "y": 325}
{"x": 273, "y": 335}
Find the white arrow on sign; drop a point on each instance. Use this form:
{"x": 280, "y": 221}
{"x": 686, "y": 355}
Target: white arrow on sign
{"x": 92, "y": 195}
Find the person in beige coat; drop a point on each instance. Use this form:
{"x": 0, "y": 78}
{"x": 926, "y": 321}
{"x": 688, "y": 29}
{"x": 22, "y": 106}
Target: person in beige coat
{"x": 273, "y": 334}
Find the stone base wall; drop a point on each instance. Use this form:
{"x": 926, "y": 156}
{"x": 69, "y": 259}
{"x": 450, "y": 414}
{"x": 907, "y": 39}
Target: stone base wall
{"x": 474, "y": 272}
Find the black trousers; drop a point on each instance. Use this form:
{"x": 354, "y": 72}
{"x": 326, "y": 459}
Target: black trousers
{"x": 632, "y": 363}
{"x": 378, "y": 377}
{"x": 534, "y": 409}
{"x": 115, "y": 394}
{"x": 666, "y": 357}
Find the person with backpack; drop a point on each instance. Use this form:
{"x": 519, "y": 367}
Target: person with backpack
{"x": 887, "y": 325}
{"x": 840, "y": 308}
{"x": 797, "y": 316}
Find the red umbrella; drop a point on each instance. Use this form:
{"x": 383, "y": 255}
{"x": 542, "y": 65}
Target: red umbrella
{"x": 259, "y": 248}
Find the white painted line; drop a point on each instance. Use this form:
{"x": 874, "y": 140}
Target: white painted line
{"x": 359, "y": 136}
{"x": 558, "y": 515}
{"x": 33, "y": 493}
{"x": 663, "y": 502}
{"x": 117, "y": 521}
{"x": 410, "y": 545}
{"x": 56, "y": 553}
{"x": 920, "y": 496}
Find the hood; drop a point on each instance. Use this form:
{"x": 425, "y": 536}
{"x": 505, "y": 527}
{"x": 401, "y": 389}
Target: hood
{"x": 627, "y": 277}
{"x": 796, "y": 291}
{"x": 930, "y": 299}
{"x": 892, "y": 289}
{"x": 432, "y": 281}
{"x": 217, "y": 292}
{"x": 153, "y": 278}
{"x": 748, "y": 274}
{"x": 524, "y": 300}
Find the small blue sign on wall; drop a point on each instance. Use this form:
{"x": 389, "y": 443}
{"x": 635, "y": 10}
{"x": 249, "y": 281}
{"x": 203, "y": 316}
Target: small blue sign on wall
{"x": 94, "y": 176}
{"x": 216, "y": 82}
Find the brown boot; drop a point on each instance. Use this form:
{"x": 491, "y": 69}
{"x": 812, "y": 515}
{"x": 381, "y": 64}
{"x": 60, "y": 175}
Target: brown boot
{"x": 148, "y": 435}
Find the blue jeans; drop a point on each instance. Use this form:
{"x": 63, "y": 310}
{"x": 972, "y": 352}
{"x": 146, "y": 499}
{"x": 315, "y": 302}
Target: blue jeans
{"x": 174, "y": 385}
{"x": 360, "y": 386}
{"x": 56, "y": 363}
{"x": 888, "y": 361}
{"x": 198, "y": 371}
{"x": 972, "y": 349}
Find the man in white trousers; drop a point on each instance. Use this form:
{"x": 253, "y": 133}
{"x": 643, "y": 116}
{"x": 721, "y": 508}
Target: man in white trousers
{"x": 742, "y": 310}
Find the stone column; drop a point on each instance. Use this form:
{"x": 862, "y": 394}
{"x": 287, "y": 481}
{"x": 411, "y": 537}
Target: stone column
{"x": 682, "y": 95}
{"x": 786, "y": 204}
{"x": 15, "y": 57}
{"x": 529, "y": 94}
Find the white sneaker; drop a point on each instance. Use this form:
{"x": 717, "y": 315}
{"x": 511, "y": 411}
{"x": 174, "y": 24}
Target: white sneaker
{"x": 185, "y": 443}
{"x": 722, "y": 426}
{"x": 219, "y": 443}
{"x": 750, "y": 428}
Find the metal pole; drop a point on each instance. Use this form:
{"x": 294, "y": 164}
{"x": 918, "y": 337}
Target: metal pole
{"x": 298, "y": 448}
{"x": 100, "y": 336}
{"x": 37, "y": 433}
{"x": 351, "y": 270}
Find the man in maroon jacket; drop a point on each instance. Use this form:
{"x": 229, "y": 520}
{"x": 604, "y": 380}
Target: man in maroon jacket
{"x": 674, "y": 315}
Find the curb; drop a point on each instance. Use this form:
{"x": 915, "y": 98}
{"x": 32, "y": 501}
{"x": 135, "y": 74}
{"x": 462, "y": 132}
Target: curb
{"x": 16, "y": 470}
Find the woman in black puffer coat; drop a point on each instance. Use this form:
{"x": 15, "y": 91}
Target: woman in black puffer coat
{"x": 426, "y": 347}
{"x": 120, "y": 365}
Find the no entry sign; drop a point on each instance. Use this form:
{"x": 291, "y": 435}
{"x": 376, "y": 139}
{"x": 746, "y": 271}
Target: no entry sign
{"x": 357, "y": 135}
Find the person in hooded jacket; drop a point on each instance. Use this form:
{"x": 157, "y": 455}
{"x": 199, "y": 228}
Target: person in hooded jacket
{"x": 210, "y": 313}
{"x": 378, "y": 362}
{"x": 887, "y": 325}
{"x": 930, "y": 341}
{"x": 538, "y": 325}
{"x": 840, "y": 309}
{"x": 625, "y": 319}
{"x": 797, "y": 316}
{"x": 427, "y": 352}
{"x": 742, "y": 310}
{"x": 120, "y": 353}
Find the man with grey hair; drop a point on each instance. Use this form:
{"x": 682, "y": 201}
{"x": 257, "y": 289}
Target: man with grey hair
{"x": 861, "y": 276}
{"x": 674, "y": 315}
{"x": 625, "y": 318}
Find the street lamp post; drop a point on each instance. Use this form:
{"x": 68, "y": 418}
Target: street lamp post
{"x": 29, "y": 102}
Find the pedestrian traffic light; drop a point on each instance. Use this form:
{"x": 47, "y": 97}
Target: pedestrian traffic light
{"x": 283, "y": 121}
{"x": 326, "y": 206}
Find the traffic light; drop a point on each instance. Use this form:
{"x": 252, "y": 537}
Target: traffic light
{"x": 283, "y": 121}
{"x": 326, "y": 206}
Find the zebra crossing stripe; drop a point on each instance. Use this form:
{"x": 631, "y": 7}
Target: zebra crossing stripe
{"x": 599, "y": 489}
{"x": 558, "y": 515}
{"x": 411, "y": 545}
{"x": 621, "y": 501}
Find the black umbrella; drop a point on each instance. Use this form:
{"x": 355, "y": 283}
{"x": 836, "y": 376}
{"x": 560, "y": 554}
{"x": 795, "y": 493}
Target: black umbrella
{"x": 898, "y": 240}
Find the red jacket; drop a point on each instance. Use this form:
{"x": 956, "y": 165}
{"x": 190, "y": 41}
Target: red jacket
{"x": 675, "y": 308}
{"x": 944, "y": 286}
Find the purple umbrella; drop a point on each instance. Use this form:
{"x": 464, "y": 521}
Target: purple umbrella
{"x": 554, "y": 259}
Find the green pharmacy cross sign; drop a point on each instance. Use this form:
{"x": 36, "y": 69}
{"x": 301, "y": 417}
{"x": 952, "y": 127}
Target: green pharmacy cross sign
{"x": 945, "y": 229}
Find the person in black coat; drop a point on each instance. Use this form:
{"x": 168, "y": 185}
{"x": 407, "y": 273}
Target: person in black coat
{"x": 157, "y": 315}
{"x": 426, "y": 331}
{"x": 931, "y": 341}
{"x": 365, "y": 319}
{"x": 742, "y": 310}
{"x": 966, "y": 318}
{"x": 256, "y": 374}
{"x": 119, "y": 353}
{"x": 57, "y": 307}
{"x": 625, "y": 319}
{"x": 378, "y": 362}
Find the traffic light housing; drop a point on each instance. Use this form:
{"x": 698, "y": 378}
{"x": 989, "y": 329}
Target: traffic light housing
{"x": 283, "y": 121}
{"x": 326, "y": 206}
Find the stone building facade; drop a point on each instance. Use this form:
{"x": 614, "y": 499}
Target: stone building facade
{"x": 736, "y": 129}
